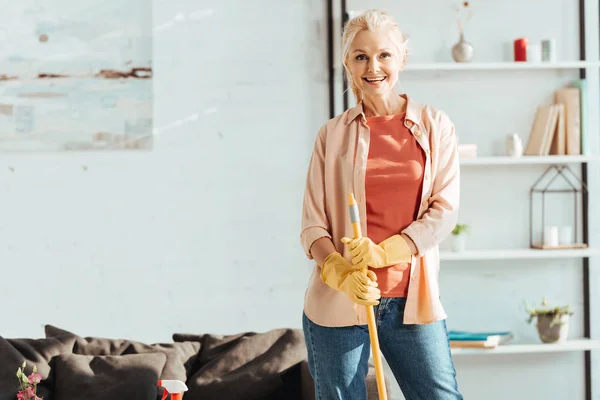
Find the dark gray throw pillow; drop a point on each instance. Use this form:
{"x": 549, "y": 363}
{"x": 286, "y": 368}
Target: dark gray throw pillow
{"x": 127, "y": 377}
{"x": 38, "y": 352}
{"x": 245, "y": 366}
{"x": 181, "y": 357}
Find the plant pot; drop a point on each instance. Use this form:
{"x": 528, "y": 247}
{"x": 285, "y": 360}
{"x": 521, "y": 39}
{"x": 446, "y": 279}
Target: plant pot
{"x": 550, "y": 332}
{"x": 459, "y": 242}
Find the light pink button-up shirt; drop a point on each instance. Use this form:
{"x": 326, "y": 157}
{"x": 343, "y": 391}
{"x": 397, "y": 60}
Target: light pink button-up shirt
{"x": 337, "y": 168}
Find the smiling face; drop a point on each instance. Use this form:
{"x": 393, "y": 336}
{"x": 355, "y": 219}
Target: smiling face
{"x": 374, "y": 62}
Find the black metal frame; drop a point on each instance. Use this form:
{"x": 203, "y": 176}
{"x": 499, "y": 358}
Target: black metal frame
{"x": 579, "y": 187}
{"x": 584, "y": 167}
{"x": 330, "y": 37}
{"x": 585, "y": 228}
{"x": 345, "y": 18}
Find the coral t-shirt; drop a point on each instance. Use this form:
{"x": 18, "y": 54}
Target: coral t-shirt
{"x": 393, "y": 184}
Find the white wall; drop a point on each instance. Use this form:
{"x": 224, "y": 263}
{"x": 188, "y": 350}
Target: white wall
{"x": 201, "y": 234}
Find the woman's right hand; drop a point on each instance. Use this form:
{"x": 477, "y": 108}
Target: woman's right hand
{"x": 341, "y": 275}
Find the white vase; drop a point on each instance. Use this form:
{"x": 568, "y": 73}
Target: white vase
{"x": 463, "y": 50}
{"x": 459, "y": 242}
{"x": 514, "y": 145}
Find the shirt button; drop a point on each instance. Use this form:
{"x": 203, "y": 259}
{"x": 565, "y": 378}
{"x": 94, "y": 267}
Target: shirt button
{"x": 427, "y": 151}
{"x": 417, "y": 132}
{"x": 426, "y": 176}
{"x": 413, "y": 278}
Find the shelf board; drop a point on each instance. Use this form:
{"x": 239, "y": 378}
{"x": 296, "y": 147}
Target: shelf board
{"x": 516, "y": 254}
{"x": 521, "y": 348}
{"x": 451, "y": 66}
{"x": 525, "y": 160}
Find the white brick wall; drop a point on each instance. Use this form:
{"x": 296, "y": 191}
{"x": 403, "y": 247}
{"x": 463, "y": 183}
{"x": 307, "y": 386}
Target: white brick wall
{"x": 202, "y": 233}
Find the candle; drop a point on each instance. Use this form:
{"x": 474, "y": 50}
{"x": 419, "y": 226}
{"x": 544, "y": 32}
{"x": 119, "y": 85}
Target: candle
{"x": 534, "y": 52}
{"x": 551, "y": 236}
{"x": 566, "y": 235}
{"x": 520, "y": 49}
{"x": 549, "y": 50}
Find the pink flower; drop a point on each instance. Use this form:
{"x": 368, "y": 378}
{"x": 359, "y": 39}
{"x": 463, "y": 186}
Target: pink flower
{"x": 35, "y": 378}
{"x": 29, "y": 393}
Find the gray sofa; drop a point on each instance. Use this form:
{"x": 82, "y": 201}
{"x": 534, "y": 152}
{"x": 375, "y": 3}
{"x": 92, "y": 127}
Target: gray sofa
{"x": 246, "y": 366}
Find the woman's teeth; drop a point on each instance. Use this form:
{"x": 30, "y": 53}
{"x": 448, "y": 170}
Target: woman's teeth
{"x": 374, "y": 79}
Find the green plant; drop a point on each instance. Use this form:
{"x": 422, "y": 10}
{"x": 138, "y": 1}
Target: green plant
{"x": 461, "y": 228}
{"x": 545, "y": 310}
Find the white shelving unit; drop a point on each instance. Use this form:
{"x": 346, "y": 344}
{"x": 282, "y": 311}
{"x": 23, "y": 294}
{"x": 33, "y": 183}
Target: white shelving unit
{"x": 501, "y": 66}
{"x": 525, "y": 160}
{"x": 517, "y": 254}
{"x": 514, "y": 347}
{"x": 523, "y": 348}
{"x": 587, "y": 256}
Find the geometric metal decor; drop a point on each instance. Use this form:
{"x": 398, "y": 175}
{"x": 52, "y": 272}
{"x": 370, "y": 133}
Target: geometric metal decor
{"x": 576, "y": 189}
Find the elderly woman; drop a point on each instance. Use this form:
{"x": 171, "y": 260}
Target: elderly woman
{"x": 400, "y": 160}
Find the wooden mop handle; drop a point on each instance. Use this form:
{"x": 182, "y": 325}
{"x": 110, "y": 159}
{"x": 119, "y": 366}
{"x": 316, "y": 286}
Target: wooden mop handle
{"x": 354, "y": 218}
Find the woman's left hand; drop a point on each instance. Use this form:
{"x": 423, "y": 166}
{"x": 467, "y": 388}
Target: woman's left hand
{"x": 365, "y": 253}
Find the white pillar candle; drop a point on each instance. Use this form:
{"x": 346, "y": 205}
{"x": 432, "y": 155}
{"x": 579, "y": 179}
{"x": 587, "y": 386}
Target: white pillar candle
{"x": 534, "y": 52}
{"x": 566, "y": 235}
{"x": 551, "y": 236}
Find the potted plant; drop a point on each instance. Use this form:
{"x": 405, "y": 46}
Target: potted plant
{"x": 459, "y": 237}
{"x": 552, "y": 322}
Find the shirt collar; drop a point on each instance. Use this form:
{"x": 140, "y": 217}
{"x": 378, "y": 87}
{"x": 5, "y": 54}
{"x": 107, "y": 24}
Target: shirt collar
{"x": 413, "y": 111}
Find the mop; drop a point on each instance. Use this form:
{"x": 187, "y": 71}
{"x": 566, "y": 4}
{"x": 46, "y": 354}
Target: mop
{"x": 354, "y": 218}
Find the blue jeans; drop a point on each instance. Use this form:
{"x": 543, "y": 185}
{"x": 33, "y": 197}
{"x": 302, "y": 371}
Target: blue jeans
{"x": 418, "y": 355}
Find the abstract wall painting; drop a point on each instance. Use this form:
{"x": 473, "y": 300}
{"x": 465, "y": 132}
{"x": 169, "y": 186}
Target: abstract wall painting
{"x": 76, "y": 76}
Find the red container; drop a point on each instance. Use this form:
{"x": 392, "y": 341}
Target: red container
{"x": 520, "y": 47}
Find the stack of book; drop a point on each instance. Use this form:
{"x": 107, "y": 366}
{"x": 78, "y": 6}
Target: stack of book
{"x": 461, "y": 339}
{"x": 559, "y": 128}
{"x": 467, "y": 151}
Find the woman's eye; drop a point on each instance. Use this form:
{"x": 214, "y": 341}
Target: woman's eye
{"x": 361, "y": 57}
{"x": 385, "y": 55}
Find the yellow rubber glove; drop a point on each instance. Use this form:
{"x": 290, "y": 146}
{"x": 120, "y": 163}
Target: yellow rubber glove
{"x": 393, "y": 250}
{"x": 339, "y": 274}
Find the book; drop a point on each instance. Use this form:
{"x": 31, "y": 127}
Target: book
{"x": 467, "y": 150}
{"x": 461, "y": 339}
{"x": 543, "y": 130}
{"x": 570, "y": 98}
{"x": 581, "y": 84}
{"x": 559, "y": 142}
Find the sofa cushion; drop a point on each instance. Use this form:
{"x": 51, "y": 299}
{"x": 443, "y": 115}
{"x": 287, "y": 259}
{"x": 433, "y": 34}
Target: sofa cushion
{"x": 180, "y": 356}
{"x": 131, "y": 377}
{"x": 247, "y": 365}
{"x": 38, "y": 352}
